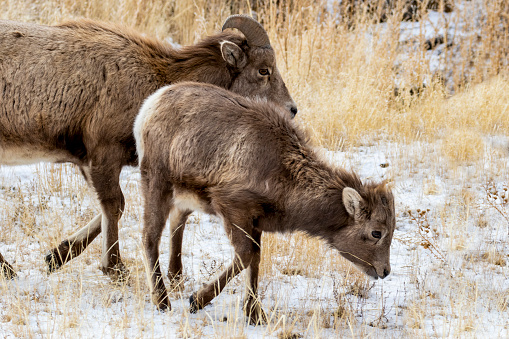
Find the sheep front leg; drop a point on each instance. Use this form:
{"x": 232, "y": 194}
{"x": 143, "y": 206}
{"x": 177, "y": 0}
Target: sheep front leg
{"x": 105, "y": 176}
{"x": 244, "y": 252}
{"x": 252, "y": 306}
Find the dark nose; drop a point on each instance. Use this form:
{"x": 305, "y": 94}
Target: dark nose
{"x": 386, "y": 273}
{"x": 294, "y": 111}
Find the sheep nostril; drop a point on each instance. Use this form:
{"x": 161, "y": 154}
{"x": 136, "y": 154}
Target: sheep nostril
{"x": 294, "y": 110}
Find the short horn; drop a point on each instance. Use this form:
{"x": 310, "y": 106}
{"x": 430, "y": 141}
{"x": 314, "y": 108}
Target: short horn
{"x": 253, "y": 31}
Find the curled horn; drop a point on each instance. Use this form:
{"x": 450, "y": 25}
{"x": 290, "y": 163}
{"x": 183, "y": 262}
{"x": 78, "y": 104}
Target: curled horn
{"x": 253, "y": 31}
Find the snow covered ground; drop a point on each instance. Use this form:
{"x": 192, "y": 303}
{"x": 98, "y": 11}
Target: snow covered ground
{"x": 449, "y": 268}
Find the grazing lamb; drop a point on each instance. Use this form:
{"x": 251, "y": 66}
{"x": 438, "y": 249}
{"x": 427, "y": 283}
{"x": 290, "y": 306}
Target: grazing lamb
{"x": 204, "y": 148}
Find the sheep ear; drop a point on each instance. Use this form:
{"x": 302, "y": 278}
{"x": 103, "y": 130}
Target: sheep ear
{"x": 233, "y": 54}
{"x": 352, "y": 200}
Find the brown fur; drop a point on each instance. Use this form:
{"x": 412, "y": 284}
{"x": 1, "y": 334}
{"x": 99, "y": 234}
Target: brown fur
{"x": 202, "y": 147}
{"x": 70, "y": 93}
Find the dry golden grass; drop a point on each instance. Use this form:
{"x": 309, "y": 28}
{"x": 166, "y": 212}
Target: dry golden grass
{"x": 342, "y": 78}
{"x": 463, "y": 145}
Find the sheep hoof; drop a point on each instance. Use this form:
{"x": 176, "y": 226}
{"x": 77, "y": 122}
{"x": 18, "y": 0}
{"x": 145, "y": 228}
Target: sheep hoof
{"x": 118, "y": 274}
{"x": 193, "y": 304}
{"x": 7, "y": 271}
{"x": 161, "y": 300}
{"x": 53, "y": 261}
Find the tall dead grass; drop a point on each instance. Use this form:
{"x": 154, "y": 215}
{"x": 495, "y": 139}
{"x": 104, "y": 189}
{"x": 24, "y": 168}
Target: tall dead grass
{"x": 344, "y": 71}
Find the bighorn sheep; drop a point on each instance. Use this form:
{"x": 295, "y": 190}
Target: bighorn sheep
{"x": 70, "y": 93}
{"x": 204, "y": 148}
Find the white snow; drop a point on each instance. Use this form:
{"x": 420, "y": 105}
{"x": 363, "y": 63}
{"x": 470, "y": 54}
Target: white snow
{"x": 424, "y": 295}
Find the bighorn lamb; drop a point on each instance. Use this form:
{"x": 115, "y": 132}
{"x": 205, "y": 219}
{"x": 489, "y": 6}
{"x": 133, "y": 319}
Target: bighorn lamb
{"x": 204, "y": 148}
{"x": 70, "y": 93}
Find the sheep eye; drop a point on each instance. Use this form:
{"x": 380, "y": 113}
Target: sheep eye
{"x": 264, "y": 71}
{"x": 376, "y": 234}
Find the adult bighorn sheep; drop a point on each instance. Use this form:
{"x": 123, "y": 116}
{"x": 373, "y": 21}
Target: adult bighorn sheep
{"x": 204, "y": 148}
{"x": 70, "y": 93}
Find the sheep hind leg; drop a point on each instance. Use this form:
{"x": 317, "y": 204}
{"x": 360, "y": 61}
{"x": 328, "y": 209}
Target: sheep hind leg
{"x": 74, "y": 245}
{"x": 158, "y": 203}
{"x": 6, "y": 269}
{"x": 178, "y": 220}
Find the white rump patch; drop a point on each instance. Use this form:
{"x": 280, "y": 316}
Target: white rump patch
{"x": 146, "y": 111}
